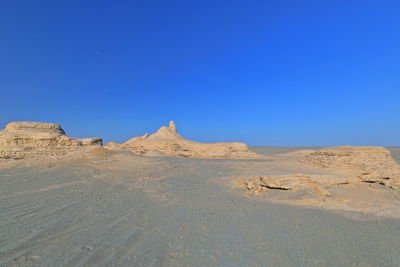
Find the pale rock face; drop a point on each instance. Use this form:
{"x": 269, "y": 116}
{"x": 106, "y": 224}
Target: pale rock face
{"x": 21, "y": 140}
{"x": 169, "y": 142}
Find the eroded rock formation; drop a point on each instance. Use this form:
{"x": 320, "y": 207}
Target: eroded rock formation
{"x": 365, "y": 164}
{"x": 359, "y": 157}
{"x": 350, "y": 178}
{"x": 170, "y": 143}
{"x": 21, "y": 140}
{"x": 293, "y": 183}
{"x": 349, "y": 165}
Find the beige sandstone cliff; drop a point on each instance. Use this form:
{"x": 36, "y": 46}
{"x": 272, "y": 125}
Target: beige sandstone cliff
{"x": 167, "y": 141}
{"x": 21, "y": 140}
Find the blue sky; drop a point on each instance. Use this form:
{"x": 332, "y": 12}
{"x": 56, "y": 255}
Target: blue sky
{"x": 279, "y": 73}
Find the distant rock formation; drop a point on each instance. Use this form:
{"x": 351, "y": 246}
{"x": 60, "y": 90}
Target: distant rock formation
{"x": 21, "y": 140}
{"x": 170, "y": 143}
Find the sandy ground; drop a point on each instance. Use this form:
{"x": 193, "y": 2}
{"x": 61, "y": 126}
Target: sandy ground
{"x": 126, "y": 210}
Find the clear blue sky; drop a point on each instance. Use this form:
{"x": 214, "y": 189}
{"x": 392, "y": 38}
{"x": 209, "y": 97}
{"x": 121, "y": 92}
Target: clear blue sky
{"x": 284, "y": 72}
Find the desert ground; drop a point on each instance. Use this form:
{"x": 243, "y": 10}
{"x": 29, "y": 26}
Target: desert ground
{"x": 276, "y": 206}
{"x": 119, "y": 209}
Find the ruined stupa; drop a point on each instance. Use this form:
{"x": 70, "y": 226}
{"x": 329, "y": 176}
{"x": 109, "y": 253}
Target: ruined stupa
{"x": 167, "y": 141}
{"x": 21, "y": 140}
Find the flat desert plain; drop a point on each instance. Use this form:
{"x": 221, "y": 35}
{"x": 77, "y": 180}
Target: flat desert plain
{"x": 114, "y": 208}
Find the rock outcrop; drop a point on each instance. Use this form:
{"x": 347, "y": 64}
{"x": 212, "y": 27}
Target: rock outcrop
{"x": 348, "y": 178}
{"x": 293, "y": 183}
{"x": 21, "y": 140}
{"x": 390, "y": 179}
{"x": 169, "y": 142}
{"x": 360, "y": 157}
{"x": 368, "y": 164}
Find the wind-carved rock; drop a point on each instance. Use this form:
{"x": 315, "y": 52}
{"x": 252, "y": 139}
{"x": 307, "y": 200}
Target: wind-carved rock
{"x": 169, "y": 142}
{"x": 21, "y": 140}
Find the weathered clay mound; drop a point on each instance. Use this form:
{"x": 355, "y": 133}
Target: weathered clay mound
{"x": 366, "y": 164}
{"x": 21, "y": 140}
{"x": 360, "y": 157}
{"x": 365, "y": 179}
{"x": 314, "y": 183}
{"x": 368, "y": 192}
{"x": 170, "y": 143}
{"x": 350, "y": 165}
{"x": 34, "y": 127}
